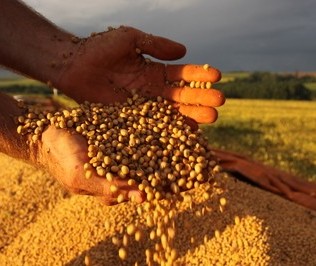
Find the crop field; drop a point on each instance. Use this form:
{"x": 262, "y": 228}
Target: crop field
{"x": 278, "y": 133}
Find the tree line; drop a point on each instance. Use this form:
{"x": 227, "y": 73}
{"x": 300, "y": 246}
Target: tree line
{"x": 258, "y": 85}
{"x": 266, "y": 85}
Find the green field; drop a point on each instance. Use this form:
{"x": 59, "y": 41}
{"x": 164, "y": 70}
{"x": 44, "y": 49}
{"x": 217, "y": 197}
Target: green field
{"x": 278, "y": 133}
{"x": 230, "y": 76}
{"x": 311, "y": 85}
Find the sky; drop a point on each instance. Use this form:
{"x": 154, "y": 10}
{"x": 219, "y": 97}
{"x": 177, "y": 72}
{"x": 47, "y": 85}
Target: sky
{"x": 232, "y": 35}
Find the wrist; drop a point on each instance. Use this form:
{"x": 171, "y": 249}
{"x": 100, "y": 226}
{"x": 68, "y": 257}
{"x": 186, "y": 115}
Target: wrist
{"x": 65, "y": 59}
{"x": 44, "y": 55}
{"x": 60, "y": 57}
{"x": 52, "y": 59}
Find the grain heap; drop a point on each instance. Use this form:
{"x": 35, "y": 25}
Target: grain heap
{"x": 257, "y": 227}
{"x": 146, "y": 142}
{"x": 181, "y": 228}
{"x": 46, "y": 228}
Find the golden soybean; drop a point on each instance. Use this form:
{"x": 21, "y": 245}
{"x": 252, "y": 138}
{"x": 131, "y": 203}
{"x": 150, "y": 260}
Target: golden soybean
{"x": 161, "y": 154}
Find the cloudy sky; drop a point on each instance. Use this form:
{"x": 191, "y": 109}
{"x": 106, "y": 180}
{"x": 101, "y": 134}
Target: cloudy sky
{"x": 263, "y": 35}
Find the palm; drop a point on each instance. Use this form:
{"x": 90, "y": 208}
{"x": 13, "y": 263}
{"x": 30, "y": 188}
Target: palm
{"x": 65, "y": 154}
{"x": 107, "y": 68}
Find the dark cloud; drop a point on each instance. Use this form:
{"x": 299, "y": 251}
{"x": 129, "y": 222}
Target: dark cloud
{"x": 231, "y": 34}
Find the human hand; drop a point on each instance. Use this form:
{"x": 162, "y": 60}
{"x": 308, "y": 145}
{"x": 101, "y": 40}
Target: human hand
{"x": 106, "y": 68}
{"x": 64, "y": 155}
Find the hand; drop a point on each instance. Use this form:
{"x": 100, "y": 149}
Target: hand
{"x": 64, "y": 155}
{"x": 106, "y": 68}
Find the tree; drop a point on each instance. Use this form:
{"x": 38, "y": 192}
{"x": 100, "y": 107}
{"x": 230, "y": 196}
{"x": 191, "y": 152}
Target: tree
{"x": 265, "y": 85}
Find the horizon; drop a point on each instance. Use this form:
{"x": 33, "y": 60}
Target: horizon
{"x": 6, "y": 74}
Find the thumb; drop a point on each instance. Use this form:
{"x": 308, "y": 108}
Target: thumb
{"x": 159, "y": 47}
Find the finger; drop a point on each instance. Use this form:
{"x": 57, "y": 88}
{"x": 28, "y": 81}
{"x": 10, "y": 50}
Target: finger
{"x": 200, "y": 114}
{"x": 204, "y": 97}
{"x": 100, "y": 187}
{"x": 192, "y": 72}
{"x": 159, "y": 47}
{"x": 137, "y": 197}
{"x": 128, "y": 192}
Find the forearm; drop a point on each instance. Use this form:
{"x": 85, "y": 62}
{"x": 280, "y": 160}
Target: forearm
{"x": 32, "y": 45}
{"x": 12, "y": 143}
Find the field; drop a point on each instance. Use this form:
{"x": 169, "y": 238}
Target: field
{"x": 278, "y": 133}
{"x": 311, "y": 86}
{"x": 230, "y": 76}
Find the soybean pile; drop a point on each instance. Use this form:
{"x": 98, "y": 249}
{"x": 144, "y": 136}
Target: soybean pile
{"x": 41, "y": 224}
{"x": 194, "y": 214}
{"x": 147, "y": 143}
